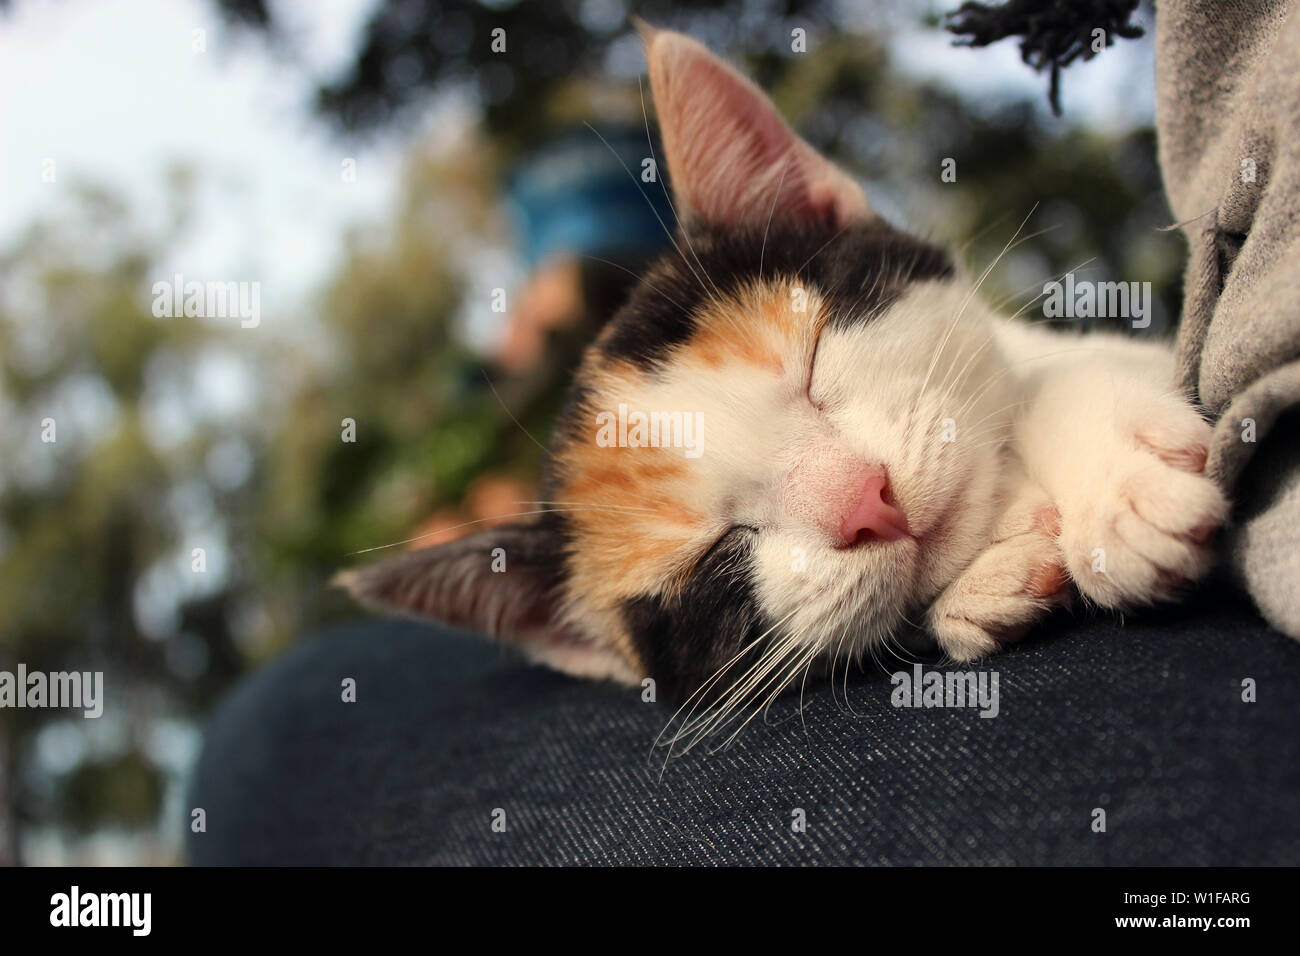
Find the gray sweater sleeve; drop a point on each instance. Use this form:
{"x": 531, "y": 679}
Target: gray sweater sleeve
{"x": 1228, "y": 118}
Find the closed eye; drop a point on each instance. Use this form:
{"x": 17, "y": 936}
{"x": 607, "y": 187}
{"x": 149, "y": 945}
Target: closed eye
{"x": 726, "y": 536}
{"x": 812, "y": 366}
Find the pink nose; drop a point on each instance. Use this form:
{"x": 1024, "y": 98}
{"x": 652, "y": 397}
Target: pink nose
{"x": 872, "y": 516}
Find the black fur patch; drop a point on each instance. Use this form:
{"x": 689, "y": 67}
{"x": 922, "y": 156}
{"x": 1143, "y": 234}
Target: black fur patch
{"x": 861, "y": 270}
{"x": 685, "y": 640}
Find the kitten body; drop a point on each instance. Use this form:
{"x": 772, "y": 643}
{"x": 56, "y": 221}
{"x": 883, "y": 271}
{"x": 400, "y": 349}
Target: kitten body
{"x": 879, "y": 454}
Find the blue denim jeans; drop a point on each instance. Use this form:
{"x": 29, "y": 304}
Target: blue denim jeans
{"x": 1111, "y": 745}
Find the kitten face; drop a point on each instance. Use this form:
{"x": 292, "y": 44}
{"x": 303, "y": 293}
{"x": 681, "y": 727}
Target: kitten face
{"x": 799, "y": 357}
{"x": 804, "y": 359}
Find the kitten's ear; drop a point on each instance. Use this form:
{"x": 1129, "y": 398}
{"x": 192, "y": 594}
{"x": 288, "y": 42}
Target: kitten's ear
{"x": 503, "y": 581}
{"x": 732, "y": 159}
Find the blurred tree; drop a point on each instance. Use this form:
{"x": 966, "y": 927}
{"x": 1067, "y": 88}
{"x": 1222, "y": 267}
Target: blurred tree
{"x": 513, "y": 56}
{"x": 96, "y": 499}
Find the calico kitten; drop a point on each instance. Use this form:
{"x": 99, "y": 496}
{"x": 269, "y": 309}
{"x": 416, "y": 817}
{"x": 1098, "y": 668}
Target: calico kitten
{"x": 877, "y": 449}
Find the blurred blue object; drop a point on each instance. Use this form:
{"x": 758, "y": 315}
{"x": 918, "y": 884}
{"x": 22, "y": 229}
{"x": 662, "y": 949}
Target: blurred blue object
{"x": 578, "y": 195}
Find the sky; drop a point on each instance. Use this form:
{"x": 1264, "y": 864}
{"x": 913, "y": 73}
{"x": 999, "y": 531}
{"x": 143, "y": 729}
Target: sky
{"x": 114, "y": 92}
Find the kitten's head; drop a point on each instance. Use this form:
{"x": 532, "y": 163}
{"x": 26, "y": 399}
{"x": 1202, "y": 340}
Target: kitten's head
{"x": 758, "y": 463}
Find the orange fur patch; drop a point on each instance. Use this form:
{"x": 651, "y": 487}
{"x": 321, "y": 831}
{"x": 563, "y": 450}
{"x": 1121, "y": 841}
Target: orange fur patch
{"x": 759, "y": 327}
{"x": 639, "y": 527}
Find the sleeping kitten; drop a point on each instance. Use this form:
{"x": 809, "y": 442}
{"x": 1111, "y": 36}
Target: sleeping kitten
{"x": 875, "y": 448}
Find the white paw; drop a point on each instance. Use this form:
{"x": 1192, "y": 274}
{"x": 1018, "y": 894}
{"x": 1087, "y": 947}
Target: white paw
{"x": 1136, "y": 526}
{"x": 1011, "y": 585}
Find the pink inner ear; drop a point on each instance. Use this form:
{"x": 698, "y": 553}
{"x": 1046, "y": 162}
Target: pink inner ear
{"x": 732, "y": 158}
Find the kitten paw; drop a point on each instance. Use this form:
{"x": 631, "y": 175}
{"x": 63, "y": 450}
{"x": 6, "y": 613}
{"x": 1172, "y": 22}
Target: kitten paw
{"x": 1008, "y": 588}
{"x": 1142, "y": 531}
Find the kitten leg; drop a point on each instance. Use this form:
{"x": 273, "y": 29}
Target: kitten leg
{"x": 1123, "y": 459}
{"x": 1012, "y": 584}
